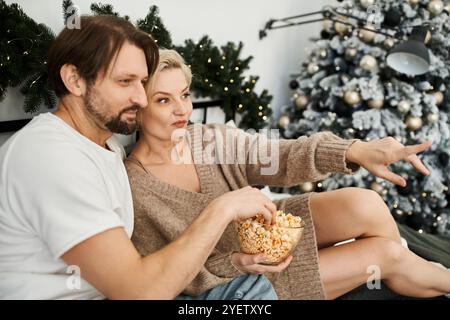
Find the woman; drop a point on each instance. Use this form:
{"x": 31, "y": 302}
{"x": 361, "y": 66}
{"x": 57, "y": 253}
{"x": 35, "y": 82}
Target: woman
{"x": 173, "y": 170}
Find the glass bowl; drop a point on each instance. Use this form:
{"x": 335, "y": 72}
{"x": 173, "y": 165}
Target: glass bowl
{"x": 275, "y": 241}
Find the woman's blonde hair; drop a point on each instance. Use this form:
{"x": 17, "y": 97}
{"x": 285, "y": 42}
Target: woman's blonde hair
{"x": 170, "y": 59}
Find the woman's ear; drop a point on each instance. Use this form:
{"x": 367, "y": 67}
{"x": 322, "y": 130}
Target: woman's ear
{"x": 72, "y": 80}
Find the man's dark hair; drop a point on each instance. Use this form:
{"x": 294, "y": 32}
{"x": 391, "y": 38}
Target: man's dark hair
{"x": 92, "y": 48}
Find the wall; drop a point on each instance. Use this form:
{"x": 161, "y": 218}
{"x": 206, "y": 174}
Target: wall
{"x": 275, "y": 57}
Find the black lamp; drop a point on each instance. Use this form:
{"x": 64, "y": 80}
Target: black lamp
{"x": 410, "y": 57}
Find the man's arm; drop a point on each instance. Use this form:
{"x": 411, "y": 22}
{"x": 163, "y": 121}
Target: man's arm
{"x": 110, "y": 262}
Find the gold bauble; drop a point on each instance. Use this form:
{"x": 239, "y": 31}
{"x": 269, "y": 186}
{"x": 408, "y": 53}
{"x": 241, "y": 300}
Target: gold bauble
{"x": 447, "y": 8}
{"x": 439, "y": 96}
{"x": 435, "y": 7}
{"x": 376, "y": 104}
{"x": 301, "y": 101}
{"x": 341, "y": 28}
{"x": 369, "y": 63}
{"x": 312, "y": 68}
{"x": 403, "y": 106}
{"x": 414, "y": 123}
{"x": 283, "y": 121}
{"x": 306, "y": 187}
{"x": 366, "y": 35}
{"x": 433, "y": 118}
{"x": 352, "y": 98}
{"x": 375, "y": 186}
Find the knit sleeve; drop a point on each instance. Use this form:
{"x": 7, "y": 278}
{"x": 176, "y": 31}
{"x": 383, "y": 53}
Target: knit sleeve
{"x": 282, "y": 162}
{"x": 220, "y": 265}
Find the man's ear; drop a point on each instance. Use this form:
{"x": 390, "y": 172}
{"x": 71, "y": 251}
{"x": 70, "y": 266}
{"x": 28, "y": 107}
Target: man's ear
{"x": 72, "y": 80}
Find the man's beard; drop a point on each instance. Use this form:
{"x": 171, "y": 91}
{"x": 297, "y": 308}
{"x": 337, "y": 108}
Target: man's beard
{"x": 97, "y": 107}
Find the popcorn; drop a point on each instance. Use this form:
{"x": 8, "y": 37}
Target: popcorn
{"x": 276, "y": 241}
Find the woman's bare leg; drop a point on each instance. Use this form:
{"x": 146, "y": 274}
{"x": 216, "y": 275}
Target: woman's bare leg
{"x": 345, "y": 267}
{"x": 351, "y": 213}
{"x": 358, "y": 213}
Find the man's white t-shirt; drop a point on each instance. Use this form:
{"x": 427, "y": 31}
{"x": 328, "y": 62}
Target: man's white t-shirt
{"x": 57, "y": 189}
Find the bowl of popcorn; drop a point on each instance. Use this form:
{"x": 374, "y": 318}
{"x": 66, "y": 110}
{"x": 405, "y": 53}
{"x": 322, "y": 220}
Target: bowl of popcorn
{"x": 277, "y": 241}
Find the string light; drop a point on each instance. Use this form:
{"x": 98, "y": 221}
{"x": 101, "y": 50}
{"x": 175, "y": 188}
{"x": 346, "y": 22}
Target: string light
{"x": 222, "y": 67}
{"x": 226, "y": 88}
{"x": 260, "y": 107}
{"x": 209, "y": 60}
{"x": 247, "y": 90}
{"x": 260, "y": 114}
{"x": 237, "y": 68}
{"x": 264, "y": 118}
{"x": 231, "y": 81}
{"x": 206, "y": 80}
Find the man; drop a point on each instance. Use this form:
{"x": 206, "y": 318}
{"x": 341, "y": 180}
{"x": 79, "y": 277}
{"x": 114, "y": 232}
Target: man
{"x": 66, "y": 213}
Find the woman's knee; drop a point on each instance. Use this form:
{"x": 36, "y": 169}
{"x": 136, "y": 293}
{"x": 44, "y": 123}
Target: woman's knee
{"x": 390, "y": 255}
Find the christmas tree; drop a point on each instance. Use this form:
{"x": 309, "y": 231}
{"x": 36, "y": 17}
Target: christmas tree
{"x": 24, "y": 45}
{"x": 218, "y": 72}
{"x": 346, "y": 87}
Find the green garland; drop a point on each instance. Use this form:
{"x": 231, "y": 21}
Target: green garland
{"x": 217, "y": 72}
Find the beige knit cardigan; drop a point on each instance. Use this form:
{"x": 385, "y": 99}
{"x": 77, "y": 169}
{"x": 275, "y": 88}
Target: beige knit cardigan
{"x": 162, "y": 211}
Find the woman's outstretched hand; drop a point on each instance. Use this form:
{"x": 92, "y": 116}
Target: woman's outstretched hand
{"x": 377, "y": 155}
{"x": 251, "y": 263}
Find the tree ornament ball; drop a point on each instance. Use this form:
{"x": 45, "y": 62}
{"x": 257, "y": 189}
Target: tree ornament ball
{"x": 352, "y": 98}
{"x": 414, "y": 123}
{"x": 433, "y": 118}
{"x": 323, "y": 53}
{"x": 403, "y": 106}
{"x": 367, "y": 3}
{"x": 306, "y": 187}
{"x": 376, "y": 103}
{"x": 366, "y": 35}
{"x": 414, "y": 2}
{"x": 443, "y": 158}
{"x": 369, "y": 63}
{"x": 439, "y": 96}
{"x": 294, "y": 84}
{"x": 435, "y": 7}
{"x": 301, "y": 101}
{"x": 341, "y": 28}
{"x": 350, "y": 53}
{"x": 312, "y": 68}
{"x": 389, "y": 43}
{"x": 284, "y": 121}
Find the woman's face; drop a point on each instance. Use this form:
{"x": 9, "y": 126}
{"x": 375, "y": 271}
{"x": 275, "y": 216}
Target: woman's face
{"x": 169, "y": 105}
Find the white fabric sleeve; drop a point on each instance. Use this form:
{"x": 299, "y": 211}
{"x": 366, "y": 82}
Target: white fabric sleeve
{"x": 65, "y": 200}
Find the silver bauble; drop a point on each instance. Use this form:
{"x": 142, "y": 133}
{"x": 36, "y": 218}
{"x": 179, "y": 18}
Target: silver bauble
{"x": 435, "y": 7}
{"x": 369, "y": 63}
{"x": 350, "y": 53}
